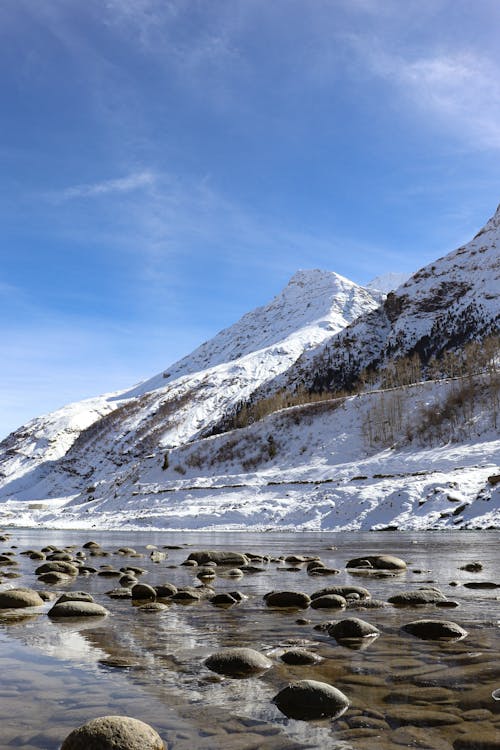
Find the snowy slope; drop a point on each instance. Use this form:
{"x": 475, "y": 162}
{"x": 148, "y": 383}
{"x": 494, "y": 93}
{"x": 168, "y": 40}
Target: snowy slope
{"x": 387, "y": 282}
{"x": 58, "y": 454}
{"x": 445, "y": 304}
{"x": 322, "y": 474}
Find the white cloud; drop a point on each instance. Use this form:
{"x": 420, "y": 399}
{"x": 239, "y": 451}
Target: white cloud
{"x": 131, "y": 182}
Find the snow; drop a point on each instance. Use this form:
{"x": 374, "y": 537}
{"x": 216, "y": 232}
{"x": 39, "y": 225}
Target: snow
{"x": 99, "y": 463}
{"x": 387, "y": 282}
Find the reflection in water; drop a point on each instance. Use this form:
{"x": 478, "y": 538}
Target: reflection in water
{"x": 151, "y": 665}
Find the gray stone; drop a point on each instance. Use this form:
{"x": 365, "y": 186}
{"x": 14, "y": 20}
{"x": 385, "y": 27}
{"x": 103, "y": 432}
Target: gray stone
{"x": 377, "y": 562}
{"x": 77, "y": 609}
{"x": 57, "y": 566}
{"x": 285, "y": 599}
{"x": 19, "y": 598}
{"x": 238, "y": 662}
{"x": 329, "y": 601}
{"x": 414, "y": 598}
{"x": 144, "y": 592}
{"x": 310, "y": 699}
{"x": 114, "y": 733}
{"x": 434, "y": 629}
{"x": 299, "y": 656}
{"x": 220, "y": 557}
{"x": 352, "y": 627}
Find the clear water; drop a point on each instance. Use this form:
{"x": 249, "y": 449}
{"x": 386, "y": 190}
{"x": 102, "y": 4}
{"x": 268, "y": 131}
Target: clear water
{"x": 404, "y": 692}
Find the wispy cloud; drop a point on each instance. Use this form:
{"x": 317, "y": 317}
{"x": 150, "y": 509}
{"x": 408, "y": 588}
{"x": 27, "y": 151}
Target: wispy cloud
{"x": 127, "y": 184}
{"x": 459, "y": 90}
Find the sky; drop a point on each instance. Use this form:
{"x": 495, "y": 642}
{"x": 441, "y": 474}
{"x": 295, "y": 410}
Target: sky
{"x": 167, "y": 165}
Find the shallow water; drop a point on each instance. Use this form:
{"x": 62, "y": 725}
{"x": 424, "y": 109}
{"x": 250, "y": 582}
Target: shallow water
{"x": 403, "y": 692}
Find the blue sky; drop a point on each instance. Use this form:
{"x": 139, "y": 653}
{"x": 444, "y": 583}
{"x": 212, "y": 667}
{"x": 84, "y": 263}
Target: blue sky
{"x": 167, "y": 165}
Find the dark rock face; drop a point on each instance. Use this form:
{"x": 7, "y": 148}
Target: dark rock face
{"x": 114, "y": 733}
{"x": 310, "y": 699}
{"x": 238, "y": 662}
{"x": 434, "y": 629}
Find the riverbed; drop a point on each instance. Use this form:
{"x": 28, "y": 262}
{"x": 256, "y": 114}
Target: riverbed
{"x": 403, "y": 692}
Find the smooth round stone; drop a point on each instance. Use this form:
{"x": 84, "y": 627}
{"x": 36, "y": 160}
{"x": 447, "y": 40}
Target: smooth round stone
{"x": 55, "y": 578}
{"x": 284, "y": 599}
{"x": 352, "y": 627}
{"x": 310, "y": 699}
{"x": 19, "y": 598}
{"x": 144, "y": 592}
{"x": 165, "y": 590}
{"x": 429, "y": 630}
{"x": 221, "y": 557}
{"x": 77, "y": 609}
{"x": 114, "y": 733}
{"x": 238, "y": 662}
{"x": 329, "y": 601}
{"x": 344, "y": 591}
{"x": 152, "y": 607}
{"x": 377, "y": 562}
{"x": 300, "y": 656}
{"x": 223, "y": 600}
{"x": 57, "y": 566}
{"x": 75, "y": 596}
{"x": 119, "y": 593}
{"x": 415, "y": 598}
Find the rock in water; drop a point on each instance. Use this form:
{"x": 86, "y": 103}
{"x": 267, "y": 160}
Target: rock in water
{"x": 429, "y": 630}
{"x": 310, "y": 699}
{"x": 114, "y": 733}
{"x": 238, "y": 662}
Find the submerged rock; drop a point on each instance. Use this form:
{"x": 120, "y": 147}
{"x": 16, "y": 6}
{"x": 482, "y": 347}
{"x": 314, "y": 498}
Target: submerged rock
{"x": 310, "y": 699}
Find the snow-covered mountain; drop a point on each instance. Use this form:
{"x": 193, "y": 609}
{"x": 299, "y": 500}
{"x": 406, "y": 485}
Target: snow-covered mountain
{"x": 59, "y": 453}
{"x": 445, "y": 304}
{"x": 142, "y": 457}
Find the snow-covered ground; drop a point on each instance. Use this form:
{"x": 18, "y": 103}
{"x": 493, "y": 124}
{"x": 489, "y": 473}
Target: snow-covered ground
{"x": 321, "y": 473}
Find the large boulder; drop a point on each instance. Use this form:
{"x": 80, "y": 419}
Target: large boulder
{"x": 113, "y": 733}
{"x": 377, "y": 562}
{"x": 220, "y": 557}
{"x": 310, "y": 699}
{"x": 238, "y": 662}
{"x": 429, "y": 630}
{"x": 19, "y": 598}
